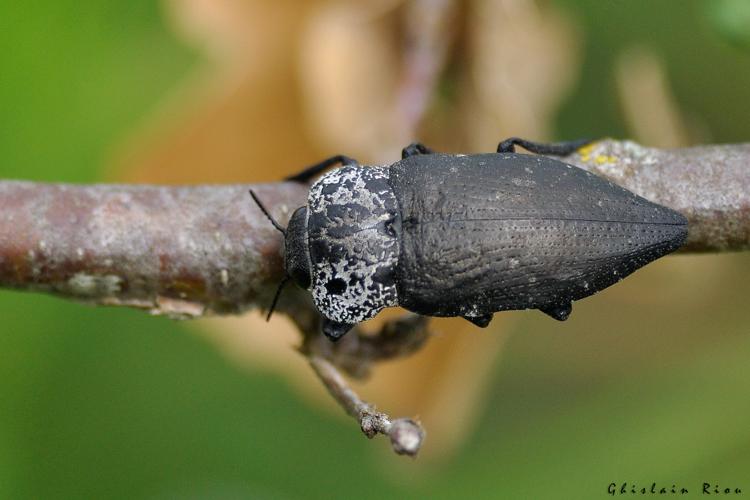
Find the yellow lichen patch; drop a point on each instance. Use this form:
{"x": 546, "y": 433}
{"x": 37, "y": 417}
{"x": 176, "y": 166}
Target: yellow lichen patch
{"x": 602, "y": 159}
{"x": 585, "y": 151}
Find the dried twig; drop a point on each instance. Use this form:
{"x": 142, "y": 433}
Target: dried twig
{"x": 354, "y": 354}
{"x": 406, "y": 434}
{"x": 191, "y": 251}
{"x": 357, "y": 351}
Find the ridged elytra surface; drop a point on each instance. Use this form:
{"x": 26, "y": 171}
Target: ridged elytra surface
{"x": 492, "y": 232}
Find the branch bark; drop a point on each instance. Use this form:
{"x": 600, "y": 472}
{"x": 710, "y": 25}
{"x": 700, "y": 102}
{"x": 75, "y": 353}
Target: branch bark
{"x": 182, "y": 251}
{"x": 191, "y": 251}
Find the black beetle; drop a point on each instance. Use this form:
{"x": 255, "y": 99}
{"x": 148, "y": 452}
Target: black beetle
{"x": 467, "y": 235}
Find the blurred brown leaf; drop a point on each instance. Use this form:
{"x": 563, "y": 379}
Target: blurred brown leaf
{"x": 288, "y": 83}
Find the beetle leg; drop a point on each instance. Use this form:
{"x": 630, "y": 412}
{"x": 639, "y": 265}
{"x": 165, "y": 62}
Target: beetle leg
{"x": 555, "y": 149}
{"x": 480, "y": 321}
{"x": 335, "y": 330}
{"x": 415, "y": 148}
{"x": 560, "y": 313}
{"x": 313, "y": 170}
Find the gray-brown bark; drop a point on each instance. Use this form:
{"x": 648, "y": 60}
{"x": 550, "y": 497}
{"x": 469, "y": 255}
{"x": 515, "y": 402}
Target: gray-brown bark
{"x": 189, "y": 251}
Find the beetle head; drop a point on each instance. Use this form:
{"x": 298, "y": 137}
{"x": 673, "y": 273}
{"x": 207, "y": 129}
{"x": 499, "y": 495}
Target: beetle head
{"x": 296, "y": 253}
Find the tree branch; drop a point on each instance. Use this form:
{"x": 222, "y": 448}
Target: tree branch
{"x": 182, "y": 251}
{"x": 191, "y": 251}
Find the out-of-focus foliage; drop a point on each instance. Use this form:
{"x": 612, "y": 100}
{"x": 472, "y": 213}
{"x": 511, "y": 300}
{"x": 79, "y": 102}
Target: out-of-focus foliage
{"x": 74, "y": 77}
{"x": 647, "y": 382}
{"x": 731, "y": 18}
{"x": 700, "y": 64}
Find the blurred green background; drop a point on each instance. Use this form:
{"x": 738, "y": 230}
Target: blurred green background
{"x": 648, "y": 382}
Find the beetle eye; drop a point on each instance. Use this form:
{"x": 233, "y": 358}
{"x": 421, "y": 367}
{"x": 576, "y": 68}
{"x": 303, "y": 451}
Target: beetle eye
{"x": 296, "y": 252}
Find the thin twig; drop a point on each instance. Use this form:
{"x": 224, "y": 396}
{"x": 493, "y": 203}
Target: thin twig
{"x": 406, "y": 435}
{"x": 356, "y": 352}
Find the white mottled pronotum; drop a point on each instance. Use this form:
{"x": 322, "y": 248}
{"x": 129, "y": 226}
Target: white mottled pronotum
{"x": 350, "y": 211}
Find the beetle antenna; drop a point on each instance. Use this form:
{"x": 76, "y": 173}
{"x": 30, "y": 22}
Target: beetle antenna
{"x": 276, "y": 296}
{"x": 273, "y": 221}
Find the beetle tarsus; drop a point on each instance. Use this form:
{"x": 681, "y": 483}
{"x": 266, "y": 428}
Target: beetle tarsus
{"x": 415, "y": 148}
{"x": 480, "y": 321}
{"x": 560, "y": 313}
{"x": 313, "y": 170}
{"x": 335, "y": 330}
{"x": 555, "y": 149}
